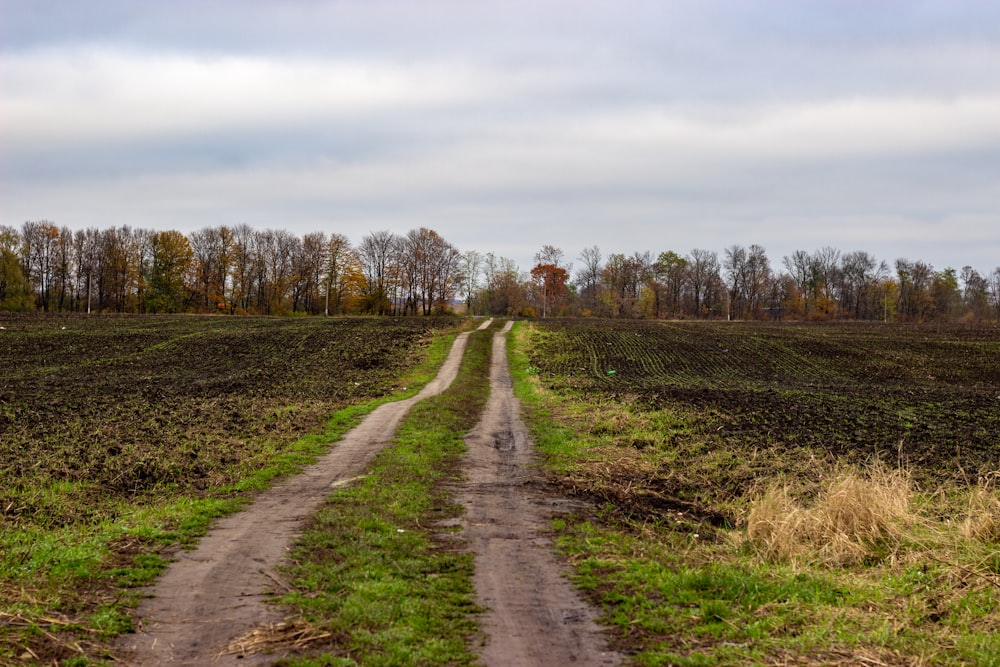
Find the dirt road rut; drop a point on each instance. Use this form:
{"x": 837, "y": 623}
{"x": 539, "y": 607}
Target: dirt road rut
{"x": 535, "y": 616}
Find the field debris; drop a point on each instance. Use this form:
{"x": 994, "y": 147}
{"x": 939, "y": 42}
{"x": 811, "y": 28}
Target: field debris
{"x": 288, "y": 634}
{"x": 341, "y": 483}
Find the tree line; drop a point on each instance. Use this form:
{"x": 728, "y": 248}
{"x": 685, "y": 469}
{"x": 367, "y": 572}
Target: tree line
{"x": 243, "y": 270}
{"x": 224, "y": 269}
{"x": 740, "y": 284}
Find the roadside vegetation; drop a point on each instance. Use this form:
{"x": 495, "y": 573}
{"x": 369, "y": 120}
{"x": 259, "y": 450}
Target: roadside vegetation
{"x": 776, "y": 494}
{"x": 122, "y": 438}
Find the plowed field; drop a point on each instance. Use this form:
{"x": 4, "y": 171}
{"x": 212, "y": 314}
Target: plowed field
{"x": 924, "y": 397}
{"x": 121, "y": 437}
{"x": 112, "y": 408}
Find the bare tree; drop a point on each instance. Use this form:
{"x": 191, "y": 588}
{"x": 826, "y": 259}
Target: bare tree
{"x": 749, "y": 274}
{"x": 625, "y": 277}
{"x": 588, "y": 279}
{"x": 283, "y": 246}
{"x": 504, "y": 292}
{"x": 914, "y": 279}
{"x": 975, "y": 293}
{"x": 735, "y": 266}
{"x": 119, "y": 268}
{"x": 448, "y": 269}
{"x": 40, "y": 241}
{"x": 340, "y": 275}
{"x": 861, "y": 276}
{"x": 703, "y": 276}
{"x": 270, "y": 270}
{"x": 213, "y": 256}
{"x": 64, "y": 261}
{"x": 262, "y": 250}
{"x": 243, "y": 252}
{"x": 409, "y": 263}
{"x": 308, "y": 258}
{"x": 428, "y": 271}
{"x": 994, "y": 292}
{"x": 472, "y": 268}
{"x": 826, "y": 269}
{"x": 821, "y": 286}
{"x": 377, "y": 254}
{"x": 550, "y": 254}
{"x": 491, "y": 272}
{"x": 86, "y": 247}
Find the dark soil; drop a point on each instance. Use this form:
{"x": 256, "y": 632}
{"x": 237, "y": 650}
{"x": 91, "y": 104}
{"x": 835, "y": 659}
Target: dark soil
{"x": 925, "y": 397}
{"x": 123, "y": 406}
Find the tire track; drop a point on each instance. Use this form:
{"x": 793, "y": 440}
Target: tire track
{"x": 535, "y": 616}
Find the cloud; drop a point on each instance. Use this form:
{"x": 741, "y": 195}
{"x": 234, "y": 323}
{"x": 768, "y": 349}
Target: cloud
{"x": 60, "y": 98}
{"x": 633, "y": 125}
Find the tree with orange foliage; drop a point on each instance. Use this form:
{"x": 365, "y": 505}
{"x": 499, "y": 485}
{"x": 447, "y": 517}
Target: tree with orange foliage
{"x": 550, "y": 286}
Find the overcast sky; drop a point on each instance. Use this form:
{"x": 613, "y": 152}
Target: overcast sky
{"x": 632, "y": 125}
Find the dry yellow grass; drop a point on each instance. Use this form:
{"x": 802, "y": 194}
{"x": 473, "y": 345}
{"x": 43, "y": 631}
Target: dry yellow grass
{"x": 854, "y": 518}
{"x": 982, "y": 522}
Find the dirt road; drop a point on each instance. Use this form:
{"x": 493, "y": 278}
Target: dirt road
{"x": 216, "y": 593}
{"x": 535, "y": 616}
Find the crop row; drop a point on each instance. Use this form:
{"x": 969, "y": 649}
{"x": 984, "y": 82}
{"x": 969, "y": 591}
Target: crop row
{"x": 925, "y": 396}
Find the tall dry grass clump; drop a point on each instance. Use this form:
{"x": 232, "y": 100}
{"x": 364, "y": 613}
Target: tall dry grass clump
{"x": 776, "y": 525}
{"x": 853, "y": 519}
{"x": 982, "y": 523}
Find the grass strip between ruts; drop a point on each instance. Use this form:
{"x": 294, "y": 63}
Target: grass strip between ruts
{"x": 374, "y": 580}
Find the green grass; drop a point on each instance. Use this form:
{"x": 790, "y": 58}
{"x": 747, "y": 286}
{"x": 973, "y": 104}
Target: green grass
{"x": 373, "y": 572}
{"x": 677, "y": 590}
